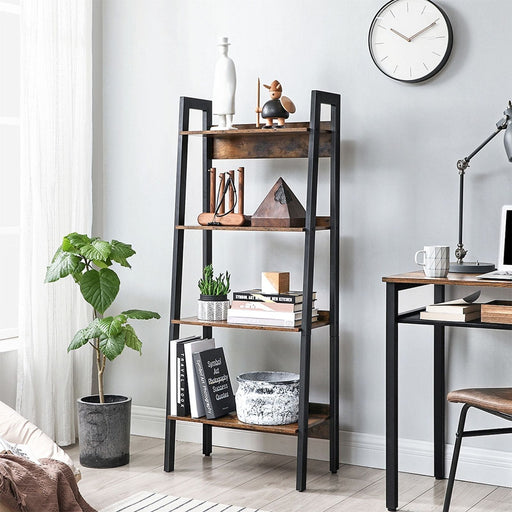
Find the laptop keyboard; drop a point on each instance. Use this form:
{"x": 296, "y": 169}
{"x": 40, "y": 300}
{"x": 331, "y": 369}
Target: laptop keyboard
{"x": 497, "y": 274}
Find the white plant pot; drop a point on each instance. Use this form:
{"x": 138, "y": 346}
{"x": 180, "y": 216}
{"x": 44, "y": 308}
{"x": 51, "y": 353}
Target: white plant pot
{"x": 212, "y": 308}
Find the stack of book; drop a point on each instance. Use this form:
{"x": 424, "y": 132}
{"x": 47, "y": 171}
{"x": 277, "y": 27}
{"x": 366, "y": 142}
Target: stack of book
{"x": 200, "y": 383}
{"x": 457, "y": 310}
{"x": 256, "y": 308}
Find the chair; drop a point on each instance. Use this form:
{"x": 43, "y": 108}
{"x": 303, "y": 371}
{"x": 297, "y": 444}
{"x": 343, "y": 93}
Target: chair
{"x": 495, "y": 401}
{"x": 16, "y": 429}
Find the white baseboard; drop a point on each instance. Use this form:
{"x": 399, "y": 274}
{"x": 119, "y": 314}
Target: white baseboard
{"x": 475, "y": 464}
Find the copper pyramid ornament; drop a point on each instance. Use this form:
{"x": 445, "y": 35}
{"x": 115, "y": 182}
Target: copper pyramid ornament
{"x": 280, "y": 208}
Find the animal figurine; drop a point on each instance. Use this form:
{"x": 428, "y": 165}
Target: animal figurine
{"x": 278, "y": 107}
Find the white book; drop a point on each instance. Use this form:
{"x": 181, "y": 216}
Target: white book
{"x": 277, "y": 322}
{"x": 194, "y": 392}
{"x": 175, "y": 374}
{"x": 291, "y": 316}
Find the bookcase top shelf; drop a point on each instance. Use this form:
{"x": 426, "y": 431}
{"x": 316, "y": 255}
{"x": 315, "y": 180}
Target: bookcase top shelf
{"x": 247, "y": 141}
{"x": 250, "y": 129}
{"x": 323, "y": 319}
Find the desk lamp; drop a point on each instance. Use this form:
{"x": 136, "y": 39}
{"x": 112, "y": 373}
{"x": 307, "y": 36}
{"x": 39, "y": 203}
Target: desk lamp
{"x": 476, "y": 267}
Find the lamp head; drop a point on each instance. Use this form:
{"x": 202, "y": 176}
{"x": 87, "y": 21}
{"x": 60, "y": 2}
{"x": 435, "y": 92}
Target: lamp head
{"x": 507, "y": 126}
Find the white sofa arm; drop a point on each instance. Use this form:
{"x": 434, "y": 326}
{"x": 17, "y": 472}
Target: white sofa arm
{"x": 16, "y": 429}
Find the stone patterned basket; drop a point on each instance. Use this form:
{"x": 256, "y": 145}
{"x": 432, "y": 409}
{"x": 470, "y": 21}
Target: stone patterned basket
{"x": 268, "y": 398}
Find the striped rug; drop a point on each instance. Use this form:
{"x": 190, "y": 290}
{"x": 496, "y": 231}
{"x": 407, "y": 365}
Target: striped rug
{"x": 154, "y": 502}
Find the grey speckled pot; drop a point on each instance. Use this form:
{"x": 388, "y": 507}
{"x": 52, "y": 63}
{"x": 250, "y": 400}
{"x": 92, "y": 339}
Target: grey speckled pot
{"x": 268, "y": 398}
{"x": 104, "y": 431}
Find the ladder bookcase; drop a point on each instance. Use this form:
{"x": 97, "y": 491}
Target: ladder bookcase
{"x": 313, "y": 140}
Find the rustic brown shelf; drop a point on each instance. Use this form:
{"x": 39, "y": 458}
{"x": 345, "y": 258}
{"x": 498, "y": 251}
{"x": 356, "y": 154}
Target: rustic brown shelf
{"x": 250, "y": 129}
{"x": 319, "y": 414}
{"x": 322, "y": 223}
{"x": 323, "y": 319}
{"x": 453, "y": 278}
{"x": 247, "y": 141}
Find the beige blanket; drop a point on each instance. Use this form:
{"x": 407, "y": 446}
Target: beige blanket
{"x": 29, "y": 487}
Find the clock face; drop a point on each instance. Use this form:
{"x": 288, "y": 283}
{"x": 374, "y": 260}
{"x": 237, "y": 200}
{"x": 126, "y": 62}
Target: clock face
{"x": 410, "y": 40}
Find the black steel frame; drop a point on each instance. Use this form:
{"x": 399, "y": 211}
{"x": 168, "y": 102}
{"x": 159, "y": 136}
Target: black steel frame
{"x": 393, "y": 319}
{"x": 460, "y": 434}
{"x": 318, "y": 98}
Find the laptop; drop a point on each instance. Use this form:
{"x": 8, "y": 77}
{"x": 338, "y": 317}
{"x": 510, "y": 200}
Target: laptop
{"x": 504, "y": 271}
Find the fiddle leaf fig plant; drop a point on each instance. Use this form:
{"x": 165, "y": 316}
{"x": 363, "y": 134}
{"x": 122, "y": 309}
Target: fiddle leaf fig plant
{"x": 88, "y": 261}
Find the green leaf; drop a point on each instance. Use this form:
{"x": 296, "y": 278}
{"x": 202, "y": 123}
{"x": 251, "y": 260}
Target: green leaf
{"x": 96, "y": 250}
{"x": 84, "y": 335}
{"x": 121, "y": 252}
{"x": 112, "y": 347}
{"x": 99, "y": 288}
{"x": 102, "y": 264}
{"x": 110, "y": 326}
{"x": 75, "y": 241}
{"x": 140, "y": 314}
{"x": 63, "y": 264}
{"x": 78, "y": 340}
{"x": 131, "y": 339}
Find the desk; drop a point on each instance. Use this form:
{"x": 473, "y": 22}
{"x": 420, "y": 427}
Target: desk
{"x": 394, "y": 285}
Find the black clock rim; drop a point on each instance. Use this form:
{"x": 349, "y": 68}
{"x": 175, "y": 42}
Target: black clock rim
{"x": 441, "y": 64}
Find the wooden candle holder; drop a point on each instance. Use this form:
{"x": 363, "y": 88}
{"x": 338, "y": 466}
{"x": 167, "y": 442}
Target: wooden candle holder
{"x": 217, "y": 215}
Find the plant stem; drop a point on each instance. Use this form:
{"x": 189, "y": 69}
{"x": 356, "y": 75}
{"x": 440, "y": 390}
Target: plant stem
{"x": 101, "y": 360}
{"x": 100, "y": 364}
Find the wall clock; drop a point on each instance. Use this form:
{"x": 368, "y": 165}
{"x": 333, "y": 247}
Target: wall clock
{"x": 410, "y": 40}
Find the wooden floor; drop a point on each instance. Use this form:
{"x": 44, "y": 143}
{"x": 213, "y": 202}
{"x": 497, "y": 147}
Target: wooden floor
{"x": 259, "y": 480}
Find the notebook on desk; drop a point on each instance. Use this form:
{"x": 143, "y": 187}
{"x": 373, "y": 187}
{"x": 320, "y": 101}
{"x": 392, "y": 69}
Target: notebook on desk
{"x": 504, "y": 272}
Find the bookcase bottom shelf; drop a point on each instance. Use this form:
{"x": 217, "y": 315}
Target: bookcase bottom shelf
{"x": 318, "y": 423}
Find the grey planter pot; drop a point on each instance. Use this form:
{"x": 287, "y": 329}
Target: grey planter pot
{"x": 268, "y": 398}
{"x": 104, "y": 431}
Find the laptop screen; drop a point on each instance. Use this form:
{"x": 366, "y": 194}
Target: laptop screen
{"x": 507, "y": 237}
{"x": 505, "y": 254}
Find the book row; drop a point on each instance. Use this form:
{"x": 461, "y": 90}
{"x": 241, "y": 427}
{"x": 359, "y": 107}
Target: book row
{"x": 459, "y": 310}
{"x": 255, "y": 307}
{"x": 199, "y": 383}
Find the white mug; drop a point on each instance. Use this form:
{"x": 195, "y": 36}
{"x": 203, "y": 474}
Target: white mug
{"x": 436, "y": 260}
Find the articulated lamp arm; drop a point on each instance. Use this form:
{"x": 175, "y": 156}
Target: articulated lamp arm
{"x": 504, "y": 123}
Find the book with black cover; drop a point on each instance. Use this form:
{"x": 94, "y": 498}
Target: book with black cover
{"x": 213, "y": 377}
{"x": 182, "y": 395}
{"x": 292, "y": 297}
{"x": 174, "y": 391}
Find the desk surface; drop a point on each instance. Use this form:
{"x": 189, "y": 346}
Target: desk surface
{"x": 419, "y": 277}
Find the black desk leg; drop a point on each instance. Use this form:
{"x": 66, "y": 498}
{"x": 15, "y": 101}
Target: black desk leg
{"x": 439, "y": 391}
{"x": 170, "y": 438}
{"x": 391, "y": 396}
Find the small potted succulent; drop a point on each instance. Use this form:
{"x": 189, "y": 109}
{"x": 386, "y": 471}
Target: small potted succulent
{"x": 213, "y": 303}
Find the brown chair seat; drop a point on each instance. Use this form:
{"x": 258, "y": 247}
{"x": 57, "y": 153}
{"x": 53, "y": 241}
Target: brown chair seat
{"x": 491, "y": 399}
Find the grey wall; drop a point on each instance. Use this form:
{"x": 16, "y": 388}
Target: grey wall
{"x": 399, "y": 182}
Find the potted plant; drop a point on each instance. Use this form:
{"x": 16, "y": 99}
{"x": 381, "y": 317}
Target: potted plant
{"x": 213, "y": 303}
{"x": 104, "y": 420}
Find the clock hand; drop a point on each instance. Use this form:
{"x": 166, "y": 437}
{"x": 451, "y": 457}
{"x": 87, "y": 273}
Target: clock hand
{"x": 401, "y": 35}
{"x": 423, "y": 30}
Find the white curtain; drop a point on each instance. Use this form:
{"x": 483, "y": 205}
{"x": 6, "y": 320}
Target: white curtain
{"x": 56, "y": 199}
